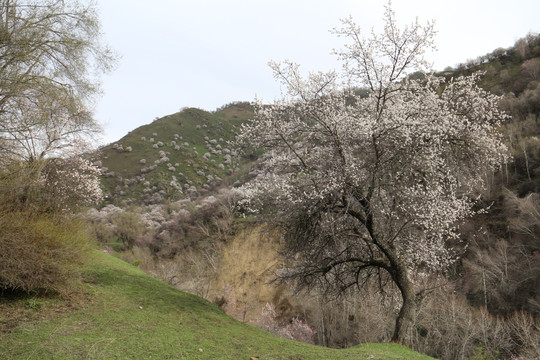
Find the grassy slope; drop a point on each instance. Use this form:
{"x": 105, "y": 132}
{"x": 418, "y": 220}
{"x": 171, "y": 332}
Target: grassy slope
{"x": 129, "y": 315}
{"x": 192, "y": 126}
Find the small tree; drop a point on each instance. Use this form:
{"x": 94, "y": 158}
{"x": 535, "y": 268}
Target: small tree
{"x": 69, "y": 183}
{"x": 372, "y": 187}
{"x": 530, "y": 69}
{"x": 51, "y": 185}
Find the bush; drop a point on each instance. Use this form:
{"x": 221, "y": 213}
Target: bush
{"x": 51, "y": 185}
{"x": 40, "y": 253}
{"x": 128, "y": 227}
{"x": 449, "y": 328}
{"x": 102, "y": 232}
{"x": 296, "y": 329}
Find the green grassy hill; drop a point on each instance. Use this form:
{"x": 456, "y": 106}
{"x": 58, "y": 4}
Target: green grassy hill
{"x": 125, "y": 314}
{"x": 174, "y": 156}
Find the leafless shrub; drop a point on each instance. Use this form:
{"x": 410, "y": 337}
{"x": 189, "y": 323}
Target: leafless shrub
{"x": 502, "y": 278}
{"x": 102, "y": 232}
{"x": 140, "y": 255}
{"x": 40, "y": 252}
{"x": 357, "y": 317}
{"x": 523, "y": 213}
{"x": 448, "y": 328}
{"x": 526, "y": 332}
{"x": 127, "y": 227}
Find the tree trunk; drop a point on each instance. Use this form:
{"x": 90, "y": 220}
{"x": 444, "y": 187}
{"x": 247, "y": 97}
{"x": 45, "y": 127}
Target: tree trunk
{"x": 407, "y": 314}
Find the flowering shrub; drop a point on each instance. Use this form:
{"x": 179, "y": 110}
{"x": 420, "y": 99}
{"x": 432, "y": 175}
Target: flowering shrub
{"x": 73, "y": 182}
{"x": 297, "y": 329}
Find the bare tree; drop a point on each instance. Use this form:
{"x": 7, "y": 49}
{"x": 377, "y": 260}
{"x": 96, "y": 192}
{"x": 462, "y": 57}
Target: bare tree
{"x": 371, "y": 188}
{"x": 530, "y": 69}
{"x": 51, "y": 57}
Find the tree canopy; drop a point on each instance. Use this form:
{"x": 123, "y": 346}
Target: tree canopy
{"x": 51, "y": 57}
{"x": 373, "y": 187}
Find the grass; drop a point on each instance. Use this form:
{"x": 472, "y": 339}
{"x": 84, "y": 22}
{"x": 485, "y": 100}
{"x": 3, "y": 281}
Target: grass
{"x": 194, "y": 126}
{"x": 125, "y": 314}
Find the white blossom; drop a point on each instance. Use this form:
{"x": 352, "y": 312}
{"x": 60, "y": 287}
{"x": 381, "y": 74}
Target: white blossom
{"x": 372, "y": 184}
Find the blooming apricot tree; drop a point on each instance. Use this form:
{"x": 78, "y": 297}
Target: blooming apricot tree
{"x": 70, "y": 183}
{"x": 372, "y": 186}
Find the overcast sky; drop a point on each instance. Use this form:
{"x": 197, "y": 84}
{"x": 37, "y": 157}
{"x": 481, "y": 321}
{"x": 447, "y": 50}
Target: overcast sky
{"x": 207, "y": 53}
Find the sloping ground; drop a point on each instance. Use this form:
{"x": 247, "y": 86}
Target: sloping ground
{"x": 174, "y": 156}
{"x": 125, "y": 314}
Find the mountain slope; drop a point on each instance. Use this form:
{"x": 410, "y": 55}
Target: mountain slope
{"x": 173, "y": 157}
{"x": 129, "y": 315}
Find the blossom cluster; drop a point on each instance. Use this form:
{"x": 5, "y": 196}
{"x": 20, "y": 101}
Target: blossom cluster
{"x": 73, "y": 182}
{"x": 396, "y": 166}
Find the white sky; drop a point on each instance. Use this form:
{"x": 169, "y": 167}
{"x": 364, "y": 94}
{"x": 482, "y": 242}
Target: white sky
{"x": 207, "y": 53}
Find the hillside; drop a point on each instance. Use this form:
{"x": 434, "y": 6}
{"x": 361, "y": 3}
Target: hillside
{"x": 505, "y": 240}
{"x": 199, "y": 244}
{"x": 174, "y": 157}
{"x": 504, "y": 69}
{"x": 124, "y": 314}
